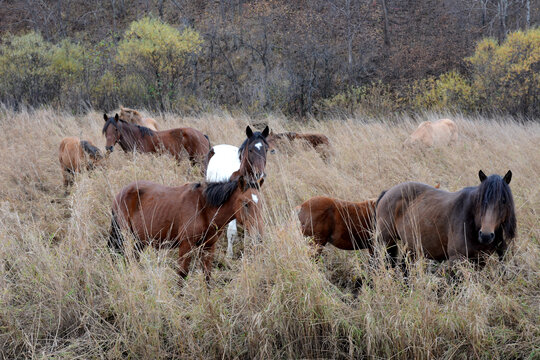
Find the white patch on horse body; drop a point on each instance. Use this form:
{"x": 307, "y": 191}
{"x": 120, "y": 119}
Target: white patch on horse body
{"x": 223, "y": 164}
{"x": 255, "y": 198}
{"x": 258, "y": 145}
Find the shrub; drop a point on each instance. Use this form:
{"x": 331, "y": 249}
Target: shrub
{"x": 507, "y": 76}
{"x": 450, "y": 91}
{"x": 157, "y": 52}
{"x": 25, "y": 70}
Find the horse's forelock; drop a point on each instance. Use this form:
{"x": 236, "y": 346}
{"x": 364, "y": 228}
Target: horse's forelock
{"x": 257, "y": 136}
{"x": 110, "y": 121}
{"x": 494, "y": 191}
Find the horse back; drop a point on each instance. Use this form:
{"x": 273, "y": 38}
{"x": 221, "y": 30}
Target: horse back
{"x": 70, "y": 153}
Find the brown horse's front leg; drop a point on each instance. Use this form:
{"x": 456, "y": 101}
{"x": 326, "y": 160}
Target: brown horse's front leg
{"x": 184, "y": 258}
{"x": 207, "y": 258}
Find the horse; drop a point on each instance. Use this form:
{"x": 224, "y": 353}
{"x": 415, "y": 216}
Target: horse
{"x": 132, "y": 137}
{"x": 438, "y": 133}
{"x": 442, "y": 225}
{"x": 346, "y": 225}
{"x": 227, "y": 162}
{"x": 319, "y": 142}
{"x": 135, "y": 117}
{"x": 188, "y": 216}
{"x": 74, "y": 155}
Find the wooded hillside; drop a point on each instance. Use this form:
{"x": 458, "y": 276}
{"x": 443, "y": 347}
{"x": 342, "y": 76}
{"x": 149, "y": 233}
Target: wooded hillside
{"x": 279, "y": 55}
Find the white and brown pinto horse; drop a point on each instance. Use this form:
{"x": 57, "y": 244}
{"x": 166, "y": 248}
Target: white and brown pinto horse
{"x": 227, "y": 162}
{"x": 190, "y": 216}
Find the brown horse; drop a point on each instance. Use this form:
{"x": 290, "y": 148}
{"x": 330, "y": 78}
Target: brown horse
{"x": 132, "y": 137}
{"x": 74, "y": 155}
{"x": 135, "y": 117}
{"x": 188, "y": 216}
{"x": 437, "y": 133}
{"x": 319, "y": 142}
{"x": 344, "y": 224}
{"x": 443, "y": 225}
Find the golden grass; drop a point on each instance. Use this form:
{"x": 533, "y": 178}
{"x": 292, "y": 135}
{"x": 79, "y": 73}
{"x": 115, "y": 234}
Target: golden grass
{"x": 63, "y": 296}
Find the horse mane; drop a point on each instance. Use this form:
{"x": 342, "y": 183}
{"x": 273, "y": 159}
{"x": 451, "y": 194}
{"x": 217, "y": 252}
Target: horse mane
{"x": 90, "y": 149}
{"x": 495, "y": 189}
{"x": 257, "y": 135}
{"x": 218, "y": 193}
{"x": 380, "y": 197}
{"x": 142, "y": 129}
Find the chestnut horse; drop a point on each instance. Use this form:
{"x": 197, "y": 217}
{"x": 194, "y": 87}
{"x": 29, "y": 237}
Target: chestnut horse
{"x": 227, "y": 162}
{"x": 344, "y": 224}
{"x": 74, "y": 155}
{"x": 135, "y": 117}
{"x": 188, "y": 216}
{"x": 443, "y": 225}
{"x": 319, "y": 142}
{"x": 132, "y": 137}
{"x": 440, "y": 132}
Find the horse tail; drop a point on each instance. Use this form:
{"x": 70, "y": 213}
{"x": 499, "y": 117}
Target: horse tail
{"x": 116, "y": 240}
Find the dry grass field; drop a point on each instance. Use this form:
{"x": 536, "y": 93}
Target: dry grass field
{"x": 63, "y": 296}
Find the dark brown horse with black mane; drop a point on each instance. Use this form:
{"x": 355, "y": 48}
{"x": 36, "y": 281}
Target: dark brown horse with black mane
{"x": 188, "y": 216}
{"x": 442, "y": 225}
{"x": 132, "y": 137}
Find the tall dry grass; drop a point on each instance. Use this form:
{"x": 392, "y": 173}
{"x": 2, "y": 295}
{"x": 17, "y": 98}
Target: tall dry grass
{"x": 63, "y": 296}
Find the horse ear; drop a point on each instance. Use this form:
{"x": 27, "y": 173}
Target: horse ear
{"x": 116, "y": 117}
{"x": 482, "y": 176}
{"x": 249, "y": 132}
{"x": 242, "y": 183}
{"x": 105, "y": 117}
{"x": 266, "y": 131}
{"x": 508, "y": 177}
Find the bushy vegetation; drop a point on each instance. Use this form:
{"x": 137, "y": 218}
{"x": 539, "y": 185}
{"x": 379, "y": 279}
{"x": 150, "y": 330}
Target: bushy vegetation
{"x": 64, "y": 295}
{"x": 280, "y": 63}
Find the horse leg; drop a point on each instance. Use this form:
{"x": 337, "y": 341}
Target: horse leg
{"x": 207, "y": 258}
{"x": 184, "y": 258}
{"x": 232, "y": 235}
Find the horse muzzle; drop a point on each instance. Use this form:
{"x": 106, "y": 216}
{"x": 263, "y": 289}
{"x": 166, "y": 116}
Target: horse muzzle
{"x": 485, "y": 238}
{"x": 109, "y": 149}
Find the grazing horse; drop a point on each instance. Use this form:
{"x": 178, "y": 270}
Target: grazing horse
{"x": 188, "y": 216}
{"x": 74, "y": 155}
{"x": 132, "y": 137}
{"x": 438, "y": 133}
{"x": 227, "y": 162}
{"x": 344, "y": 224}
{"x": 319, "y": 142}
{"x": 443, "y": 225}
{"x": 135, "y": 117}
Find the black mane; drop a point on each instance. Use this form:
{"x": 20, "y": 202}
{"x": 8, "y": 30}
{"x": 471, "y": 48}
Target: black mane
{"x": 142, "y": 129}
{"x": 494, "y": 191}
{"x": 257, "y": 135}
{"x": 218, "y": 193}
{"x": 90, "y": 149}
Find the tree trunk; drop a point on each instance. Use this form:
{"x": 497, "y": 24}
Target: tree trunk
{"x": 386, "y": 25}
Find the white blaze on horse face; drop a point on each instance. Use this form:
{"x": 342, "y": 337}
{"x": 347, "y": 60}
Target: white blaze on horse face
{"x": 255, "y": 198}
{"x": 258, "y": 145}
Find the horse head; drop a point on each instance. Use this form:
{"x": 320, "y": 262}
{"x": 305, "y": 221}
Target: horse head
{"x": 111, "y": 132}
{"x": 252, "y": 154}
{"x": 495, "y": 207}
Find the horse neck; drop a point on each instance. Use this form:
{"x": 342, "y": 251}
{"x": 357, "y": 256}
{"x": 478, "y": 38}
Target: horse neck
{"x": 223, "y": 214}
{"x": 132, "y": 138}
